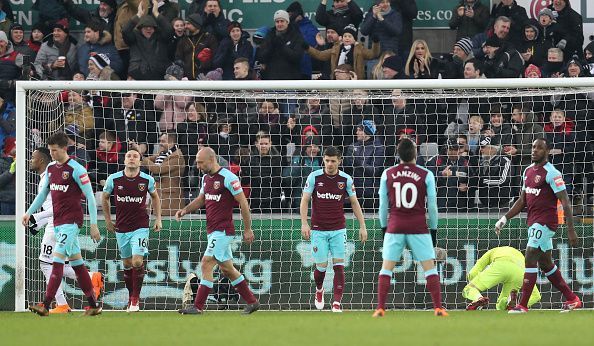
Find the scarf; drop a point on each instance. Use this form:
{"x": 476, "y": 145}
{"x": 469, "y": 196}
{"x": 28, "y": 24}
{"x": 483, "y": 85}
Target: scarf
{"x": 63, "y": 48}
{"x": 340, "y": 11}
{"x": 346, "y": 55}
{"x": 165, "y": 154}
{"x": 386, "y": 13}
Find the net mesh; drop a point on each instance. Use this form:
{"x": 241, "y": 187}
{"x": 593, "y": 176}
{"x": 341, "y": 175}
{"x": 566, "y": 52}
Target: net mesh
{"x": 273, "y": 139}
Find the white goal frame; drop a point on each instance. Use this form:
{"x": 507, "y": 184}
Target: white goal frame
{"x": 22, "y": 132}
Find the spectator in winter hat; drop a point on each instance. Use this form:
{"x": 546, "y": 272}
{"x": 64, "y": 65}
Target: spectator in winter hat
{"x": 47, "y": 63}
{"x": 461, "y": 52}
{"x": 532, "y": 71}
{"x": 100, "y": 69}
{"x": 392, "y": 68}
{"x": 364, "y": 161}
{"x": 575, "y": 68}
{"x": 197, "y": 48}
{"x": 282, "y": 50}
{"x": 175, "y": 71}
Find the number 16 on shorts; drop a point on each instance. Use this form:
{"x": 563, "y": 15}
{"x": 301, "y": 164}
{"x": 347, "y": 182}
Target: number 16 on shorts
{"x": 133, "y": 243}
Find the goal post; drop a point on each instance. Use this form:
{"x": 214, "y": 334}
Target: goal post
{"x": 278, "y": 265}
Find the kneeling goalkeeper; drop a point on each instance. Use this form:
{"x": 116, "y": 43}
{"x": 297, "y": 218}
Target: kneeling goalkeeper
{"x": 500, "y": 265}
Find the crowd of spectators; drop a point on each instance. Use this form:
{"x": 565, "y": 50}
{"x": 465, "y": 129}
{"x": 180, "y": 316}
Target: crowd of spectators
{"x": 483, "y": 143}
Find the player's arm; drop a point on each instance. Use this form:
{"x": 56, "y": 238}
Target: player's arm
{"x": 157, "y": 209}
{"x": 156, "y": 204}
{"x": 432, "y": 204}
{"x": 106, "y": 204}
{"x": 196, "y": 204}
{"x": 37, "y": 202}
{"x": 246, "y": 215}
{"x": 304, "y": 205}
{"x": 513, "y": 211}
{"x": 383, "y": 202}
{"x": 480, "y": 265}
{"x": 83, "y": 181}
{"x": 357, "y": 209}
{"x": 555, "y": 180}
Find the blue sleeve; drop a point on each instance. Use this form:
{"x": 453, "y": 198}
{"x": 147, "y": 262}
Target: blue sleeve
{"x": 233, "y": 184}
{"x": 555, "y": 180}
{"x": 350, "y": 189}
{"x": 84, "y": 182}
{"x": 383, "y": 200}
{"x": 310, "y": 183}
{"x": 431, "y": 200}
{"x": 108, "y": 185}
{"x": 41, "y": 196}
{"x": 151, "y": 185}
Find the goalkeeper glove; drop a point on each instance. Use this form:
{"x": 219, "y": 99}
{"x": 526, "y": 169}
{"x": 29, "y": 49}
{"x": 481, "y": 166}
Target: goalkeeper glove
{"x": 32, "y": 227}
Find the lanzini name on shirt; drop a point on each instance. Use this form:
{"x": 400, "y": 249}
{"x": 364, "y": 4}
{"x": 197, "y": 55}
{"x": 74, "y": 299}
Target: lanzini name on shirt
{"x": 406, "y": 174}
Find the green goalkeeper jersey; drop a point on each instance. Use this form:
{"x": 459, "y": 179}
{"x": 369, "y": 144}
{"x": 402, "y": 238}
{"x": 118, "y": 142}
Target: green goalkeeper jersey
{"x": 503, "y": 253}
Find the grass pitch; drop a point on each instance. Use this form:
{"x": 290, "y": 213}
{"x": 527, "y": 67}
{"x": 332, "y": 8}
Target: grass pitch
{"x": 300, "y": 328}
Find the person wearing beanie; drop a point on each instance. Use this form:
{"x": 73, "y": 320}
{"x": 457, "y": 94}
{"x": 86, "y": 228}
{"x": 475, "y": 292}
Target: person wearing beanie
{"x": 97, "y": 40}
{"x": 104, "y": 13}
{"x": 364, "y": 161}
{"x": 494, "y": 174}
{"x": 469, "y": 18}
{"x": 50, "y": 62}
{"x": 531, "y": 48}
{"x": 453, "y": 64}
{"x": 10, "y": 60}
{"x": 571, "y": 24}
{"x": 197, "y": 48}
{"x": 340, "y": 15}
{"x": 552, "y": 35}
{"x": 575, "y": 68}
{"x": 501, "y": 60}
{"x": 100, "y": 69}
{"x": 532, "y": 71}
{"x": 282, "y": 50}
{"x": 308, "y": 31}
{"x": 215, "y": 22}
{"x": 349, "y": 51}
{"x": 307, "y": 160}
{"x": 16, "y": 35}
{"x": 383, "y": 24}
{"x": 236, "y": 45}
{"x": 392, "y": 68}
{"x": 175, "y": 71}
{"x": 148, "y": 35}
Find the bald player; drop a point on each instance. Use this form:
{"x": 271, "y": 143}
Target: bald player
{"x": 220, "y": 190}
{"x": 542, "y": 186}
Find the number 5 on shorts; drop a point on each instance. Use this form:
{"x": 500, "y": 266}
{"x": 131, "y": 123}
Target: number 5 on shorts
{"x": 212, "y": 243}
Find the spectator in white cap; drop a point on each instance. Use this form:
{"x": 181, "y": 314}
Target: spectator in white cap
{"x": 282, "y": 50}
{"x": 99, "y": 68}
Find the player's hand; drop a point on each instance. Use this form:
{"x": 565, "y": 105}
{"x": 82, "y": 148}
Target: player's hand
{"x": 25, "y": 220}
{"x": 572, "y": 237}
{"x": 158, "y": 225}
{"x": 500, "y": 224}
{"x": 95, "y": 235}
{"x": 305, "y": 230}
{"x": 179, "y": 214}
{"x": 248, "y": 235}
{"x": 363, "y": 234}
{"x": 110, "y": 226}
